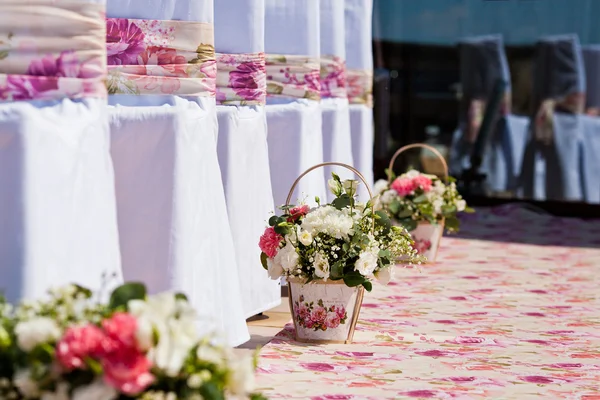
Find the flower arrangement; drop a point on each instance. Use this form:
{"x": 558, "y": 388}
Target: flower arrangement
{"x": 134, "y": 347}
{"x": 415, "y": 197}
{"x": 344, "y": 240}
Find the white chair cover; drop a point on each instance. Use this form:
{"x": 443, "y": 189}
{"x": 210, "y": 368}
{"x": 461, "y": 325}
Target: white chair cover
{"x": 173, "y": 223}
{"x": 58, "y": 220}
{"x": 337, "y": 141}
{"x": 591, "y": 126}
{"x": 295, "y": 125}
{"x": 483, "y": 61}
{"x": 244, "y": 157}
{"x": 552, "y": 171}
{"x": 359, "y": 56}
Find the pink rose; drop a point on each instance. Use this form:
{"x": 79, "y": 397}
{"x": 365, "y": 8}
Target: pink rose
{"x": 319, "y": 315}
{"x": 121, "y": 329}
{"x": 269, "y": 242}
{"x": 303, "y": 312}
{"x": 127, "y": 370}
{"x": 78, "y": 343}
{"x": 332, "y": 320}
{"x": 297, "y": 212}
{"x": 155, "y": 55}
{"x": 341, "y": 311}
{"x": 403, "y": 186}
{"x": 422, "y": 182}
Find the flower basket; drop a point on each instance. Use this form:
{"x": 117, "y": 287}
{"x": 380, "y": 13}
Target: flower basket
{"x": 329, "y": 256}
{"x": 423, "y": 204}
{"x": 324, "y": 312}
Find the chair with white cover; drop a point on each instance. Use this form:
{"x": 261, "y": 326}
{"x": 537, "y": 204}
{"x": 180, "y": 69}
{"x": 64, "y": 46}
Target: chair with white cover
{"x": 173, "y": 223}
{"x": 58, "y": 222}
{"x": 551, "y": 164}
{"x": 359, "y": 73}
{"x": 591, "y": 126}
{"x": 482, "y": 63}
{"x": 337, "y": 140}
{"x": 293, "y": 109}
{"x": 243, "y": 150}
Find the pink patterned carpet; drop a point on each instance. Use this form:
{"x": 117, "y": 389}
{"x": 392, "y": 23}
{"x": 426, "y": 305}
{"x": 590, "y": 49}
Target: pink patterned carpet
{"x": 514, "y": 314}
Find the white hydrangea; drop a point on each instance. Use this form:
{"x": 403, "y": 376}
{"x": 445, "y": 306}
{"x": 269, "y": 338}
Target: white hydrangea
{"x": 380, "y": 186}
{"x": 321, "y": 266}
{"x": 36, "y": 331}
{"x": 388, "y": 196}
{"x": 411, "y": 174}
{"x": 328, "y": 220}
{"x": 437, "y": 205}
{"x": 439, "y": 188}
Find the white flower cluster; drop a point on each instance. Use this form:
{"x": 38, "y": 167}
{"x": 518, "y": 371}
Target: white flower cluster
{"x": 330, "y": 221}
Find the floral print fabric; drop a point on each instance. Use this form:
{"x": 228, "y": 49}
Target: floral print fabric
{"x": 295, "y": 77}
{"x": 148, "y": 57}
{"x": 510, "y": 311}
{"x": 51, "y": 50}
{"x": 333, "y": 77}
{"x": 360, "y": 86}
{"x": 241, "y": 79}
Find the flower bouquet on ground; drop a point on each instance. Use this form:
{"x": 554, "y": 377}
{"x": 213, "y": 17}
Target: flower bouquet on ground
{"x": 329, "y": 255}
{"x": 421, "y": 203}
{"x": 135, "y": 347}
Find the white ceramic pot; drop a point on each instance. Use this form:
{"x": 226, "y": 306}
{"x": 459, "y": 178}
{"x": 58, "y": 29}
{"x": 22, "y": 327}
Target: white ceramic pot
{"x": 427, "y": 239}
{"x": 324, "y": 312}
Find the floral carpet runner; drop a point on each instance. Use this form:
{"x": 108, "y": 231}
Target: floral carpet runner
{"x": 511, "y": 310}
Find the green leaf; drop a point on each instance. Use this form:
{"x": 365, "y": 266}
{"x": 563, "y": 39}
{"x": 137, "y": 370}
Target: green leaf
{"x": 368, "y": 286}
{"x": 281, "y": 228}
{"x": 263, "y": 260}
{"x": 448, "y": 210}
{"x": 420, "y": 199}
{"x": 384, "y": 253}
{"x": 409, "y": 224}
{"x": 274, "y": 220}
{"x": 337, "y": 271}
{"x": 211, "y": 391}
{"x": 83, "y": 290}
{"x": 469, "y": 210}
{"x": 3, "y": 54}
{"x": 405, "y": 213}
{"x": 353, "y": 279}
{"x": 394, "y": 207}
{"x": 452, "y": 224}
{"x": 342, "y": 202}
{"x": 336, "y": 177}
{"x": 124, "y": 293}
{"x": 181, "y": 296}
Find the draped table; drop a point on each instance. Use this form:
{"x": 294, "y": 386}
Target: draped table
{"x": 511, "y": 310}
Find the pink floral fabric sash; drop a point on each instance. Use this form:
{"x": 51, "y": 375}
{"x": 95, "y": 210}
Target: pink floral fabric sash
{"x": 151, "y": 57}
{"x": 241, "y": 79}
{"x": 333, "y": 78}
{"x": 360, "y": 86}
{"x": 293, "y": 77}
{"x": 51, "y": 50}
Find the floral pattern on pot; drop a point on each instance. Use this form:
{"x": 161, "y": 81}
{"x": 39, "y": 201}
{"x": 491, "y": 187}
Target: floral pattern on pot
{"x": 293, "y": 76}
{"x": 241, "y": 79}
{"x": 333, "y": 77}
{"x": 36, "y": 67}
{"x": 160, "y": 57}
{"x": 360, "y": 86}
{"x": 318, "y": 317}
{"x": 510, "y": 311}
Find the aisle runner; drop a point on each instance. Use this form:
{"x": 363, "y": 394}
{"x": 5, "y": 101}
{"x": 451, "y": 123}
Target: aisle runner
{"x": 490, "y": 320}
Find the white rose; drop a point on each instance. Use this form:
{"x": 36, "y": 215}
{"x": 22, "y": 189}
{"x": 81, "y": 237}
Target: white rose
{"x": 350, "y": 186}
{"x": 305, "y": 238}
{"x": 274, "y": 269}
{"x": 321, "y": 266}
{"x": 461, "y": 205}
{"x": 175, "y": 340}
{"x": 36, "y": 331}
{"x": 242, "y": 377}
{"x": 287, "y": 257}
{"x": 385, "y": 275}
{"x": 97, "y": 390}
{"x": 26, "y": 385}
{"x": 210, "y": 355}
{"x": 334, "y": 187}
{"x": 388, "y": 196}
{"x": 366, "y": 263}
{"x": 380, "y": 186}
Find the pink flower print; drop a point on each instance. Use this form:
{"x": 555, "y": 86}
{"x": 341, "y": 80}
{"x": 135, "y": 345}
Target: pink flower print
{"x": 341, "y": 312}
{"x": 303, "y": 312}
{"x": 124, "y": 42}
{"x": 209, "y": 69}
{"x": 313, "y": 81}
{"x": 269, "y": 242}
{"x": 403, "y": 186}
{"x": 319, "y": 315}
{"x": 332, "y": 320}
{"x": 245, "y": 80}
{"x": 422, "y": 182}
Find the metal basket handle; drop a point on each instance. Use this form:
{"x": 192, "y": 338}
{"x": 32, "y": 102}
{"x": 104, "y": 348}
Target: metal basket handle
{"x": 423, "y": 146}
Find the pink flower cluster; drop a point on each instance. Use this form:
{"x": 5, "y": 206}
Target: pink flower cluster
{"x": 114, "y": 346}
{"x": 269, "y": 242}
{"x": 319, "y": 317}
{"x": 405, "y": 186}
